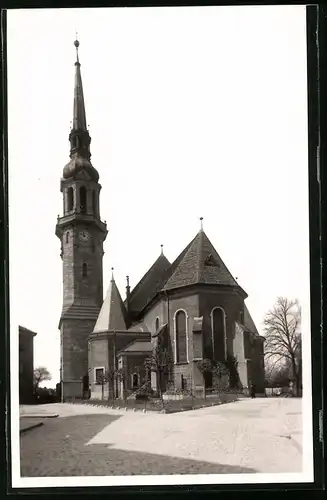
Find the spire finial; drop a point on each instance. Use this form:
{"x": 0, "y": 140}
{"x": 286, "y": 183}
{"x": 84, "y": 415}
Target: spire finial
{"x": 112, "y": 274}
{"x": 76, "y": 43}
{"x": 201, "y": 222}
{"x": 127, "y": 280}
{"x": 161, "y": 246}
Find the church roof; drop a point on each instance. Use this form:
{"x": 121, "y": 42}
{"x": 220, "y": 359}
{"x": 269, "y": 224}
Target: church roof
{"x": 149, "y": 285}
{"x": 141, "y": 346}
{"x": 199, "y": 263}
{"x": 248, "y": 321}
{"x": 112, "y": 315}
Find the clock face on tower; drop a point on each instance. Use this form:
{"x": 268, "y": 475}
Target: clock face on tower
{"x": 84, "y": 235}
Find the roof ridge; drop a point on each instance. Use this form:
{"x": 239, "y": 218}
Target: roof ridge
{"x": 200, "y": 249}
{"x": 137, "y": 286}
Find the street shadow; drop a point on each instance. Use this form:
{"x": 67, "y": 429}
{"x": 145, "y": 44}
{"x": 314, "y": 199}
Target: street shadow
{"x": 58, "y": 449}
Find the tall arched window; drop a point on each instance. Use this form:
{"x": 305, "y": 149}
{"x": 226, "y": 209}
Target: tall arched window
{"x": 82, "y": 199}
{"x": 157, "y": 324}
{"x": 218, "y": 334}
{"x": 84, "y": 270}
{"x": 94, "y": 202}
{"x": 181, "y": 337}
{"x": 70, "y": 199}
{"x": 67, "y": 237}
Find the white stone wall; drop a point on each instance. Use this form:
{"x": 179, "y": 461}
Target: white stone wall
{"x": 238, "y": 349}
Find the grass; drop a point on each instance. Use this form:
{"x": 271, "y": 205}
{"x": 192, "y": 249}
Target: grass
{"x": 170, "y": 406}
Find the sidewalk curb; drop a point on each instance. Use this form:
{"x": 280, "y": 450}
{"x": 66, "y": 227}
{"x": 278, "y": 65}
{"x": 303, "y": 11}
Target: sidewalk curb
{"x": 39, "y": 416}
{"x": 34, "y": 426}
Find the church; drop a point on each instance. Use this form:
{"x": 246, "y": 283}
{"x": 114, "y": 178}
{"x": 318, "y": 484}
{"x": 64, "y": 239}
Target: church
{"x": 193, "y": 307}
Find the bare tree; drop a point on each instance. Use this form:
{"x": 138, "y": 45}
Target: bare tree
{"x": 283, "y": 336}
{"x": 40, "y": 374}
{"x": 121, "y": 377}
{"x": 159, "y": 362}
{"x": 205, "y": 367}
{"x": 111, "y": 377}
{"x": 102, "y": 379}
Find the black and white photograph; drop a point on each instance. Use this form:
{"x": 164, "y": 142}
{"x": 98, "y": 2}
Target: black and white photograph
{"x": 160, "y": 328}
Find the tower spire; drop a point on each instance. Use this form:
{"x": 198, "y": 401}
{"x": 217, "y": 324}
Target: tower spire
{"x": 79, "y": 117}
{"x": 79, "y": 136}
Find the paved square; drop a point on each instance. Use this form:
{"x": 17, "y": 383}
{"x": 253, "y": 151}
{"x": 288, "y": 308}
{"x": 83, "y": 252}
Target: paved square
{"x": 260, "y": 435}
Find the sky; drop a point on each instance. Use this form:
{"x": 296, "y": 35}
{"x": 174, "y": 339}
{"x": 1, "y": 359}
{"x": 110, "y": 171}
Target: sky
{"x": 193, "y": 112}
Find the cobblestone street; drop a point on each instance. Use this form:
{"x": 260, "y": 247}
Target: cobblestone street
{"x": 262, "y": 435}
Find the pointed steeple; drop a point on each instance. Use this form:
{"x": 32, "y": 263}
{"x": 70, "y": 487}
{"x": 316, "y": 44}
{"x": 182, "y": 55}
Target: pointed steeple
{"x": 113, "y": 312}
{"x": 79, "y": 136}
{"x": 79, "y": 117}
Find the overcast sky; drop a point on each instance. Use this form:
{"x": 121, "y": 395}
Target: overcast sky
{"x": 193, "y": 111}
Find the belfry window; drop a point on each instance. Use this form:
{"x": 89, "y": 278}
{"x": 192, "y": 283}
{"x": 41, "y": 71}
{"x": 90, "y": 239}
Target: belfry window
{"x": 181, "y": 337}
{"x": 82, "y": 199}
{"x": 218, "y": 334}
{"x": 84, "y": 270}
{"x": 67, "y": 237}
{"x": 70, "y": 199}
{"x": 94, "y": 202}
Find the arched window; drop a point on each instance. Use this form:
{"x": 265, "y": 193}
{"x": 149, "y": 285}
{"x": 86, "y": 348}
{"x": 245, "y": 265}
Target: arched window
{"x": 181, "y": 337}
{"x": 84, "y": 270}
{"x": 157, "y": 324}
{"x": 67, "y": 236}
{"x": 70, "y": 199}
{"x": 218, "y": 334}
{"x": 94, "y": 202}
{"x": 82, "y": 199}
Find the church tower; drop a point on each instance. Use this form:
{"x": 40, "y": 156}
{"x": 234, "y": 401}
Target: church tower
{"x": 81, "y": 233}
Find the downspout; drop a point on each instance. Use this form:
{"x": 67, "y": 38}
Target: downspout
{"x": 168, "y": 324}
{"x": 115, "y": 366}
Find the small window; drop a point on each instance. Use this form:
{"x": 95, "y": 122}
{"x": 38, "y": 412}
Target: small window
{"x": 70, "y": 199}
{"x": 84, "y": 270}
{"x": 67, "y": 236}
{"x": 241, "y": 317}
{"x": 82, "y": 199}
{"x": 99, "y": 375}
{"x": 210, "y": 261}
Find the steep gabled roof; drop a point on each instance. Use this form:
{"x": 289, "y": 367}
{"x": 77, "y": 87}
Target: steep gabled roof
{"x": 248, "y": 321}
{"x": 148, "y": 286}
{"x": 199, "y": 263}
{"x": 112, "y": 315}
